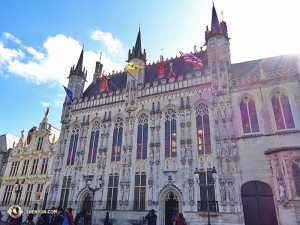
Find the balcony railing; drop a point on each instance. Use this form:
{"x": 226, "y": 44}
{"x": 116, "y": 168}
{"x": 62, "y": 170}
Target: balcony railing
{"x": 202, "y": 206}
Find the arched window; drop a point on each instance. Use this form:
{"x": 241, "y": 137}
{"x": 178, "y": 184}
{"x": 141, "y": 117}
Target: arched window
{"x": 94, "y": 143}
{"x": 73, "y": 145}
{"x": 249, "y": 115}
{"x": 170, "y": 134}
{"x": 282, "y": 111}
{"x": 117, "y": 140}
{"x": 296, "y": 172}
{"x": 203, "y": 129}
{"x": 142, "y": 137}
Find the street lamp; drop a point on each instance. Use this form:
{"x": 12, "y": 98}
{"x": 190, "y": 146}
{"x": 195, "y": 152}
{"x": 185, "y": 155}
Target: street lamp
{"x": 93, "y": 190}
{"x": 206, "y": 186}
{"x": 18, "y": 188}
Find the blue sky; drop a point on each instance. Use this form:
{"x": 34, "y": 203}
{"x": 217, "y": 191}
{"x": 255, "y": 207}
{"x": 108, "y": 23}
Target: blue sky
{"x": 41, "y": 40}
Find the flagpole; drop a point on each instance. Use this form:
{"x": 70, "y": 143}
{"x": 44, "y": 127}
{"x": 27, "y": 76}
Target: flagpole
{"x": 133, "y": 76}
{"x": 186, "y": 63}
{"x": 114, "y": 85}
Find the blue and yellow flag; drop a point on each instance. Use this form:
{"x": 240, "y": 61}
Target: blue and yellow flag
{"x": 132, "y": 68}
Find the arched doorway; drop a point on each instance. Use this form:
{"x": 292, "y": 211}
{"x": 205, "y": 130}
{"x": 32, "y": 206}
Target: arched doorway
{"x": 258, "y": 204}
{"x": 171, "y": 206}
{"x": 86, "y": 202}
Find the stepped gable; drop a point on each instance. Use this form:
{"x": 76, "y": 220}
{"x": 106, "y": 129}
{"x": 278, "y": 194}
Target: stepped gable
{"x": 179, "y": 68}
{"x": 268, "y": 64}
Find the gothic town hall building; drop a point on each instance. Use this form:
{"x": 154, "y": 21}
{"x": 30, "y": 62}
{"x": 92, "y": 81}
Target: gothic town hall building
{"x": 139, "y": 144}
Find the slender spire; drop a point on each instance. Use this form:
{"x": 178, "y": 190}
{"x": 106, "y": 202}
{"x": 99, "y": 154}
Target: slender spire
{"x": 138, "y": 43}
{"x": 137, "y": 49}
{"x": 214, "y": 19}
{"x": 78, "y": 68}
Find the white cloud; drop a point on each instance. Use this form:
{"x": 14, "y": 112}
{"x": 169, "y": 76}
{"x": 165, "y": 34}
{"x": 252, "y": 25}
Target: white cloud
{"x": 46, "y": 104}
{"x": 113, "y": 45}
{"x": 36, "y": 54}
{"x": 52, "y": 63}
{"x": 8, "y": 36}
{"x": 58, "y": 102}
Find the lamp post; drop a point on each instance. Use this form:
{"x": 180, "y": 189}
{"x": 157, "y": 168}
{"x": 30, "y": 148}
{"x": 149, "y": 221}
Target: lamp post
{"x": 18, "y": 188}
{"x": 206, "y": 186}
{"x": 93, "y": 190}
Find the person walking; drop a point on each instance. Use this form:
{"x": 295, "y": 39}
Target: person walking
{"x": 70, "y": 216}
{"x": 180, "y": 219}
{"x": 106, "y": 219}
{"x": 151, "y": 217}
{"x": 82, "y": 218}
{"x": 60, "y": 218}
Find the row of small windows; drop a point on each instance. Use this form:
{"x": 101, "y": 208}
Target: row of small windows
{"x": 15, "y": 167}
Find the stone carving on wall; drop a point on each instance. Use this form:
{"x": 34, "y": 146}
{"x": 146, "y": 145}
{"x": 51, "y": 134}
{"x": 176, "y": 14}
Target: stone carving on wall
{"x": 280, "y": 182}
{"x": 129, "y": 160}
{"x": 99, "y": 161}
{"x": 124, "y": 155}
{"x": 191, "y": 194}
{"x": 104, "y": 160}
{"x": 222, "y": 192}
{"x": 231, "y": 192}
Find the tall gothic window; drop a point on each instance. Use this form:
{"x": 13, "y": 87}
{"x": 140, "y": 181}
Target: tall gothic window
{"x": 14, "y": 168}
{"x": 7, "y": 194}
{"x": 112, "y": 192}
{"x": 40, "y": 143}
{"x": 25, "y": 167}
{"x": 142, "y": 137}
{"x": 28, "y": 194}
{"x": 117, "y": 140}
{"x": 73, "y": 146}
{"x": 296, "y": 172}
{"x": 203, "y": 129}
{"x": 34, "y": 166}
{"x": 94, "y": 143}
{"x": 249, "y": 115}
{"x": 207, "y": 178}
{"x": 44, "y": 165}
{"x": 170, "y": 134}
{"x": 139, "y": 201}
{"x": 64, "y": 197}
{"x": 282, "y": 111}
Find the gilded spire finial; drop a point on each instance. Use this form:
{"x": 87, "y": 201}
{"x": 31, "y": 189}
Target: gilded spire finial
{"x": 162, "y": 54}
{"x": 22, "y": 134}
{"x": 195, "y": 48}
{"x": 83, "y": 43}
{"x": 222, "y": 15}
{"x": 47, "y": 112}
{"x": 140, "y": 24}
{"x": 213, "y": 2}
{"x": 171, "y": 64}
{"x": 100, "y": 57}
{"x": 53, "y": 139}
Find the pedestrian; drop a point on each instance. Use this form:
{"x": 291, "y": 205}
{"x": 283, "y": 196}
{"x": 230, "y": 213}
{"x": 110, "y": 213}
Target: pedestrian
{"x": 151, "y": 217}
{"x": 60, "y": 218}
{"x": 30, "y": 218}
{"x": 82, "y": 218}
{"x": 180, "y": 219}
{"x": 106, "y": 219}
{"x": 50, "y": 217}
{"x": 70, "y": 216}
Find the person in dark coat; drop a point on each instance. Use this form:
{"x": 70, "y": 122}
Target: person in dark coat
{"x": 70, "y": 216}
{"x": 106, "y": 219}
{"x": 151, "y": 217}
{"x": 87, "y": 217}
{"x": 59, "y": 219}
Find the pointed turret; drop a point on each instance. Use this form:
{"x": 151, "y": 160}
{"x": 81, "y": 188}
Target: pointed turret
{"x": 137, "y": 49}
{"x": 78, "y": 69}
{"x": 216, "y": 27}
{"x": 214, "y": 20}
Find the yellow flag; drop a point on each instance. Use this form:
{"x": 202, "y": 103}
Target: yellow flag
{"x": 132, "y": 68}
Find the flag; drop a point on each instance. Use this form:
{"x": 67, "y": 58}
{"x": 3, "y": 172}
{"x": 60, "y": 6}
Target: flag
{"x": 69, "y": 93}
{"x": 103, "y": 84}
{"x": 132, "y": 68}
{"x": 189, "y": 58}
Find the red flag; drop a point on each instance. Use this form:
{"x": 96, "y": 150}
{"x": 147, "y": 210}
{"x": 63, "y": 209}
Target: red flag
{"x": 103, "y": 84}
